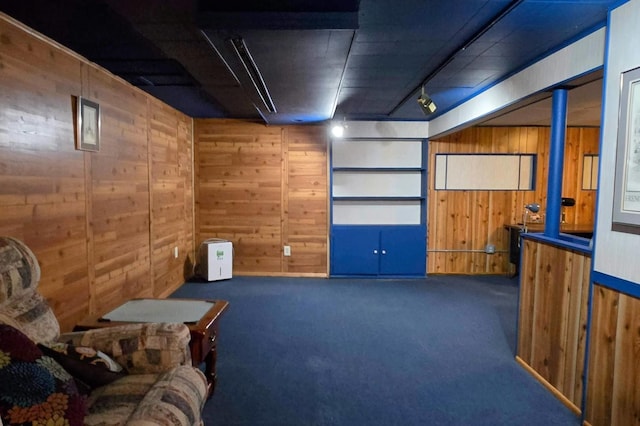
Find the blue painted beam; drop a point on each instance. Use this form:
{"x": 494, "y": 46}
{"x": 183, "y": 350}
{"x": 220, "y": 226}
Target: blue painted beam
{"x": 556, "y": 162}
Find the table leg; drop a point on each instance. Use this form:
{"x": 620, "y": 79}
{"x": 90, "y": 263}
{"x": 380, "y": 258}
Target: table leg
{"x": 210, "y": 369}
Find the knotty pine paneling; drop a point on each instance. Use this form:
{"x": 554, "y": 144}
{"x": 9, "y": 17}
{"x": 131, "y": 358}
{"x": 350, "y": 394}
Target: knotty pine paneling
{"x": 42, "y": 180}
{"x": 262, "y": 187}
{"x": 306, "y": 194}
{"x": 553, "y": 317}
{"x": 120, "y": 194}
{"x": 171, "y": 168}
{"x": 462, "y": 223}
{"x": 88, "y": 216}
{"x": 613, "y": 391}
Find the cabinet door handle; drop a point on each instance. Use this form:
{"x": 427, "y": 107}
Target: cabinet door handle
{"x": 375, "y": 252}
{"x": 384, "y": 252}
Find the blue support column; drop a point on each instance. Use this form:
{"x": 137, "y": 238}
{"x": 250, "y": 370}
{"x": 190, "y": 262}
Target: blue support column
{"x": 556, "y": 163}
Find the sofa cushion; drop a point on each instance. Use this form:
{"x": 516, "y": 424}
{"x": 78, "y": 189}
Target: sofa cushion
{"x": 175, "y": 397}
{"x": 89, "y": 367}
{"x": 34, "y": 388}
{"x": 20, "y": 304}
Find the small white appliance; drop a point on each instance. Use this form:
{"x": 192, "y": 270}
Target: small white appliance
{"x": 216, "y": 259}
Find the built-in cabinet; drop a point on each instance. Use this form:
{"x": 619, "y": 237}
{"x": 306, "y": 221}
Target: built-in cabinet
{"x": 378, "y": 195}
{"x": 378, "y": 250}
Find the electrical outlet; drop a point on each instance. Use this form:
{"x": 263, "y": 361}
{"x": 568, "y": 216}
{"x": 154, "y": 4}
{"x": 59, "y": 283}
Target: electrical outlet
{"x": 287, "y": 250}
{"x": 175, "y": 252}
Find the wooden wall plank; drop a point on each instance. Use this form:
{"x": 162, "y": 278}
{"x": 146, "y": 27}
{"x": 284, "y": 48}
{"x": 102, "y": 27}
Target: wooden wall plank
{"x": 171, "y": 166}
{"x": 526, "y": 301}
{"x": 307, "y": 187}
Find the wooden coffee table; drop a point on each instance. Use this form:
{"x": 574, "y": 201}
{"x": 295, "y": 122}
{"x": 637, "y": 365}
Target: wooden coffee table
{"x": 200, "y": 315}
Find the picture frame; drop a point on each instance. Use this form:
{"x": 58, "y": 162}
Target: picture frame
{"x": 626, "y": 196}
{"x": 88, "y": 125}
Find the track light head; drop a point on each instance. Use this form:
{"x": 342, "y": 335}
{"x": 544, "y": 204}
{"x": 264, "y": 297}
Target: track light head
{"x": 426, "y": 103}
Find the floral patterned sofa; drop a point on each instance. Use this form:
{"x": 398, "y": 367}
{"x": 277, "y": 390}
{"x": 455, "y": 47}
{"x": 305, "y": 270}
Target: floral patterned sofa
{"x": 39, "y": 381}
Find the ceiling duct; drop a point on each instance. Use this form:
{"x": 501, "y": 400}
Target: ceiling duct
{"x": 250, "y": 67}
{"x": 271, "y": 48}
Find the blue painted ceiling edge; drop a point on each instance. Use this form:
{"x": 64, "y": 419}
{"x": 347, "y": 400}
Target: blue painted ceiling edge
{"x": 353, "y": 59}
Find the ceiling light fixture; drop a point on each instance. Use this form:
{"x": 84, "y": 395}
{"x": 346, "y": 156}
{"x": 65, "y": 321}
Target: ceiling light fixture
{"x": 426, "y": 103}
{"x": 337, "y": 129}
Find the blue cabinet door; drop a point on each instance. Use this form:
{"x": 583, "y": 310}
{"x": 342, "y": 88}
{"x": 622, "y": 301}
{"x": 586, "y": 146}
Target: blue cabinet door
{"x": 403, "y": 250}
{"x": 355, "y": 251}
{"x": 379, "y": 250}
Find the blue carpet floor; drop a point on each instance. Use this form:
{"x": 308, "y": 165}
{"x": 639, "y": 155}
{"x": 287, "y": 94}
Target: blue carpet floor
{"x": 434, "y": 351}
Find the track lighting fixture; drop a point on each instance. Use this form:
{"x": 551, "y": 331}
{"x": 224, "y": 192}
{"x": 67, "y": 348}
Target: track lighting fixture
{"x": 426, "y": 103}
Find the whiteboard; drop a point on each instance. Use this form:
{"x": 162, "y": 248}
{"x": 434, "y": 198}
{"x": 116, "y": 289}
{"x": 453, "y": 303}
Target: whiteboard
{"x": 484, "y": 172}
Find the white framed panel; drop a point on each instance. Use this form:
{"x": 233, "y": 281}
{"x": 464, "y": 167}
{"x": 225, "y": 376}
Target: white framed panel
{"x": 376, "y": 184}
{"x": 590, "y": 164}
{"x": 526, "y": 172}
{"x": 376, "y": 213}
{"x": 377, "y": 153}
{"x": 484, "y": 172}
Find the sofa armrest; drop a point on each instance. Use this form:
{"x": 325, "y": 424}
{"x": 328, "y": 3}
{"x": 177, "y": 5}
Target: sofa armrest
{"x": 140, "y": 348}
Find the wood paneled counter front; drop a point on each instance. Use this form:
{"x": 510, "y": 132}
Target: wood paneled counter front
{"x": 515, "y": 230}
{"x": 552, "y": 322}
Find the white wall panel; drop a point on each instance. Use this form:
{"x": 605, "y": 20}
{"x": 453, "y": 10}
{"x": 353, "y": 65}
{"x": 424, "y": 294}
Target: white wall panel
{"x": 616, "y": 253}
{"x": 387, "y": 129}
{"x": 377, "y": 153}
{"x": 376, "y": 213}
{"x": 376, "y": 184}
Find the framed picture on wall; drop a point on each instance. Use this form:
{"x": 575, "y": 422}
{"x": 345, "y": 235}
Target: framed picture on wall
{"x": 626, "y": 196}
{"x": 88, "y": 125}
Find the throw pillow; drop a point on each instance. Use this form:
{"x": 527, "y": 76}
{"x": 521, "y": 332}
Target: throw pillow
{"x": 89, "y": 367}
{"x": 34, "y": 388}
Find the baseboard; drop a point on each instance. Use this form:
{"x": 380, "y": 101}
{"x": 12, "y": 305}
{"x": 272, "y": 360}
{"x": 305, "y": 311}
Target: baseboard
{"x": 549, "y": 387}
{"x": 283, "y": 274}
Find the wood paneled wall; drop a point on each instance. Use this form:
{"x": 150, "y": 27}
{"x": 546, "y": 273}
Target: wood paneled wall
{"x": 103, "y": 225}
{"x": 552, "y": 320}
{"x": 263, "y": 187}
{"x": 461, "y": 223}
{"x": 613, "y": 385}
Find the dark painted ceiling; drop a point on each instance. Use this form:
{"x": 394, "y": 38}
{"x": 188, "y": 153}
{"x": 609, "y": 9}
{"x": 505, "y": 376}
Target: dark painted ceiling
{"x": 353, "y": 59}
